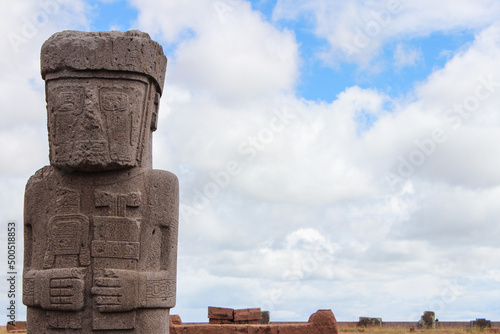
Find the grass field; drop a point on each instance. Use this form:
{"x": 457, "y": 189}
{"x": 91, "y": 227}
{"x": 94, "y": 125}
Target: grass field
{"x": 406, "y": 330}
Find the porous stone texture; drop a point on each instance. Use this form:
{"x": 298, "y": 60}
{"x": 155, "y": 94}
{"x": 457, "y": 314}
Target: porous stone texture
{"x": 321, "y": 322}
{"x": 247, "y": 316}
{"x": 130, "y": 51}
{"x": 220, "y": 315}
{"x": 100, "y": 224}
{"x": 265, "y": 318}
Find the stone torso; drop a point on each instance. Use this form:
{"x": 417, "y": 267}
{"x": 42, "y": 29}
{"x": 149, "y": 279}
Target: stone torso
{"x": 103, "y": 250}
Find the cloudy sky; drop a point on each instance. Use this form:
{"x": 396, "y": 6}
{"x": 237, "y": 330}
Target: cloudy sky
{"x": 331, "y": 154}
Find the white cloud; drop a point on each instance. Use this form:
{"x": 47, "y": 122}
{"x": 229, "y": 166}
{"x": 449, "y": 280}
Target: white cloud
{"x": 25, "y": 26}
{"x": 404, "y": 56}
{"x": 320, "y": 171}
{"x": 311, "y": 173}
{"x": 356, "y": 30}
{"x": 232, "y": 55}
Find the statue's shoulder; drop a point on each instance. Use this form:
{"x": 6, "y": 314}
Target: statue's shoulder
{"x": 162, "y": 178}
{"x": 40, "y": 178}
{"x": 165, "y": 201}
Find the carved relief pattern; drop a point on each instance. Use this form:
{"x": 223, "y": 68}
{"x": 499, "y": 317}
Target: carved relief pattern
{"x": 114, "y": 105}
{"x": 160, "y": 289}
{"x": 67, "y": 232}
{"x": 96, "y": 128}
{"x": 64, "y": 320}
{"x": 64, "y": 108}
{"x": 94, "y": 260}
{"x": 117, "y": 203}
{"x": 116, "y": 241}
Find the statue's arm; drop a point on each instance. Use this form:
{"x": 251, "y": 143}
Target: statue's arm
{"x": 58, "y": 289}
{"x": 158, "y": 288}
{"x": 29, "y": 273}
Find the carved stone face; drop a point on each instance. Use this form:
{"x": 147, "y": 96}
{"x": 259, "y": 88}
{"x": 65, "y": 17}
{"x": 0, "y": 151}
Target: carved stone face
{"x": 98, "y": 122}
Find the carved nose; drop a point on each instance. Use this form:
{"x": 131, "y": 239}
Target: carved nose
{"x": 91, "y": 112}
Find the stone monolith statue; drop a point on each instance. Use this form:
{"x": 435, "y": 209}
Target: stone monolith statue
{"x": 100, "y": 224}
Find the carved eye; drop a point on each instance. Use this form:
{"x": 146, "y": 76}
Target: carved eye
{"x": 114, "y": 101}
{"x": 68, "y": 102}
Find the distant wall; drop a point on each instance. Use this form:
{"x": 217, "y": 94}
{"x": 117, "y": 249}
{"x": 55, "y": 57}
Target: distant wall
{"x": 414, "y": 324}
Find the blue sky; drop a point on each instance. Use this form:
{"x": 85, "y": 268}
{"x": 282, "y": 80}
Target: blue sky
{"x": 377, "y": 195}
{"x": 319, "y": 81}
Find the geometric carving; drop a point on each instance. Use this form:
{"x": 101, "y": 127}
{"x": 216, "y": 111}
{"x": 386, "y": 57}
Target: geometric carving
{"x": 116, "y": 229}
{"x": 115, "y": 249}
{"x": 67, "y": 236}
{"x": 117, "y": 203}
{"x": 114, "y": 104}
{"x": 113, "y": 125}
{"x": 160, "y": 289}
{"x": 100, "y": 224}
{"x": 28, "y": 290}
{"x": 114, "y": 101}
{"x": 64, "y": 320}
{"x": 68, "y": 201}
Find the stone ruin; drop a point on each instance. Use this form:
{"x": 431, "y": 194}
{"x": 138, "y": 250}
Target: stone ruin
{"x": 100, "y": 224}
{"x": 249, "y": 316}
{"x": 428, "y": 320}
{"x": 480, "y": 323}
{"x": 321, "y": 322}
{"x": 369, "y": 322}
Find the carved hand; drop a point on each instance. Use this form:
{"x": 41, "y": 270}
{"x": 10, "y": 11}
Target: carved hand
{"x": 115, "y": 290}
{"x": 55, "y": 289}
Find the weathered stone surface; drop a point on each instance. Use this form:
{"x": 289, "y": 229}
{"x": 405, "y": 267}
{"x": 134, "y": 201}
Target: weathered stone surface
{"x": 101, "y": 224}
{"x": 16, "y": 327}
{"x": 220, "y": 313}
{"x": 321, "y": 322}
{"x": 130, "y": 51}
{"x": 103, "y": 91}
{"x": 481, "y": 323}
{"x": 369, "y": 322}
{"x": 428, "y": 320}
{"x": 265, "y": 318}
{"x": 248, "y": 315}
{"x": 175, "y": 319}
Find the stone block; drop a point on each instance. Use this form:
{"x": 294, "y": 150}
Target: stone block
{"x": 481, "y": 323}
{"x": 175, "y": 320}
{"x": 265, "y": 317}
{"x": 248, "y": 314}
{"x": 220, "y": 313}
{"x": 321, "y": 322}
{"x": 16, "y": 327}
{"x": 369, "y": 322}
{"x": 428, "y": 320}
{"x": 220, "y": 321}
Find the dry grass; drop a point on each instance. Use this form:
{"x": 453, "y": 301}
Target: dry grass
{"x": 406, "y": 331}
{"x": 3, "y": 330}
